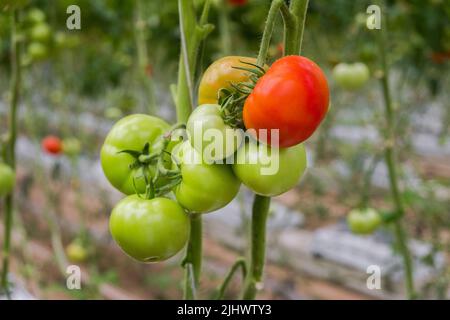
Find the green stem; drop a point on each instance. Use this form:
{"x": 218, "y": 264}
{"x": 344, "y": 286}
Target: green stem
{"x": 294, "y": 23}
{"x": 299, "y": 9}
{"x": 390, "y": 160}
{"x": 260, "y": 213}
{"x": 225, "y": 35}
{"x": 192, "y": 34}
{"x": 240, "y": 263}
{"x": 268, "y": 29}
{"x": 367, "y": 179}
{"x": 11, "y": 148}
{"x": 290, "y": 30}
{"x": 261, "y": 204}
{"x": 140, "y": 36}
{"x": 56, "y": 238}
{"x": 193, "y": 258}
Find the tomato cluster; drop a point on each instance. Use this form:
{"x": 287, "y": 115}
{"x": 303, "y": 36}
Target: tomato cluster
{"x": 166, "y": 179}
{"x": 136, "y": 159}
{"x": 40, "y": 39}
{"x": 291, "y": 98}
{"x": 39, "y": 35}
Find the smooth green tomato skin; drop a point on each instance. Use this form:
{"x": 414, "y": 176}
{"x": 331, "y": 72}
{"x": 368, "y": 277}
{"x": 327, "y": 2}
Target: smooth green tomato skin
{"x": 149, "y": 230}
{"x": 252, "y": 165}
{"x": 206, "y": 119}
{"x": 204, "y": 187}
{"x": 36, "y": 15}
{"x": 351, "y": 76}
{"x": 7, "y": 179}
{"x": 37, "y": 51}
{"x": 363, "y": 221}
{"x": 41, "y": 32}
{"x": 129, "y": 133}
{"x": 76, "y": 252}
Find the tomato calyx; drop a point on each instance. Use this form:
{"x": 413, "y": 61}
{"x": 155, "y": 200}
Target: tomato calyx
{"x": 163, "y": 180}
{"x": 232, "y": 100}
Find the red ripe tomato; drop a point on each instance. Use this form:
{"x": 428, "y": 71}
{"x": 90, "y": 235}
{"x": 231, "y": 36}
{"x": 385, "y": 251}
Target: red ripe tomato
{"x": 52, "y": 145}
{"x": 237, "y": 3}
{"x": 292, "y": 96}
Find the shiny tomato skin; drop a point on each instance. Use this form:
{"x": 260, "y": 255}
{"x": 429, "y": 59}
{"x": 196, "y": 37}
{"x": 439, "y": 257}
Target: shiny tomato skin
{"x": 292, "y": 96}
{"x": 52, "y": 145}
{"x": 219, "y": 75}
{"x": 129, "y": 133}
{"x": 206, "y": 118}
{"x": 251, "y": 160}
{"x": 204, "y": 187}
{"x": 149, "y": 230}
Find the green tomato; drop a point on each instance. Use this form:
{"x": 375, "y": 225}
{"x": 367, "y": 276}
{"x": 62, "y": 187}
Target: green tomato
{"x": 35, "y": 16}
{"x": 71, "y": 146}
{"x": 364, "y": 221}
{"x": 37, "y": 51}
{"x": 76, "y": 252}
{"x": 204, "y": 187}
{"x": 209, "y": 134}
{"x": 7, "y": 179}
{"x": 149, "y": 230}
{"x": 130, "y": 133}
{"x": 351, "y": 76}
{"x": 41, "y": 32}
{"x": 269, "y": 171}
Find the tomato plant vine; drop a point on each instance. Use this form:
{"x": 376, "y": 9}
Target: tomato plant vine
{"x": 10, "y": 149}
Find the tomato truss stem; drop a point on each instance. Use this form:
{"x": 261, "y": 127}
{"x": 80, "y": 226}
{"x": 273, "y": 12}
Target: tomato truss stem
{"x": 391, "y": 163}
{"x": 163, "y": 179}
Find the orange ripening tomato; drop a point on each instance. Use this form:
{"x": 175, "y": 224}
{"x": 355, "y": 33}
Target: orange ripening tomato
{"x": 220, "y": 74}
{"x": 292, "y": 96}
